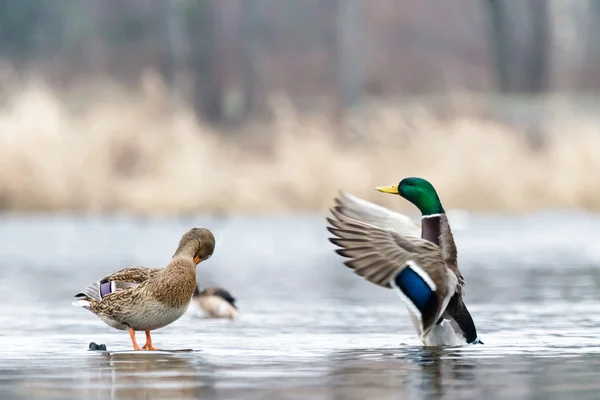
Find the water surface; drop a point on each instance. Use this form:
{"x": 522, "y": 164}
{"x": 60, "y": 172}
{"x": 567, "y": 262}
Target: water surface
{"x": 309, "y": 328}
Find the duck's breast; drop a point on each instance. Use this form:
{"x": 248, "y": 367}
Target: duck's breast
{"x": 153, "y": 315}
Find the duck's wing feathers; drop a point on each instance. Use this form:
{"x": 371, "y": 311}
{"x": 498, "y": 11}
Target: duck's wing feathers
{"x": 378, "y": 254}
{"x": 132, "y": 275}
{"x": 120, "y": 280}
{"x": 412, "y": 266}
{"x": 373, "y": 214}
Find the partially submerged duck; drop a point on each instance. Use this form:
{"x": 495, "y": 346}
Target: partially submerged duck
{"x": 216, "y": 302}
{"x": 419, "y": 262}
{"x": 146, "y": 299}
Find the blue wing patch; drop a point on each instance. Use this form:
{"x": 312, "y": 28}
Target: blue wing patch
{"x": 418, "y": 292}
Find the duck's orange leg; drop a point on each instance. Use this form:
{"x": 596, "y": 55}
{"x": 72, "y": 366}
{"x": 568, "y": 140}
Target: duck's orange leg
{"x": 132, "y": 335}
{"x": 148, "y": 345}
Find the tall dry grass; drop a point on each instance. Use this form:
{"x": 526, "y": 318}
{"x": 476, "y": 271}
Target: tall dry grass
{"x": 138, "y": 153}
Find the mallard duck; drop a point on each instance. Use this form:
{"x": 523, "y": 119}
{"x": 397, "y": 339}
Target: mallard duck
{"x": 146, "y": 299}
{"x": 215, "y": 302}
{"x": 419, "y": 262}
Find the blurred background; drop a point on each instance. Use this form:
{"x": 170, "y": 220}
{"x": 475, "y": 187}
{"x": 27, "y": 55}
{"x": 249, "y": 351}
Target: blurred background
{"x": 124, "y": 123}
{"x": 245, "y": 106}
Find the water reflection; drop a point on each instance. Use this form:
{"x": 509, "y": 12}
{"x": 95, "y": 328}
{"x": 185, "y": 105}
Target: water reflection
{"x": 309, "y": 328}
{"x": 409, "y": 372}
{"x": 141, "y": 376}
{"x": 127, "y": 376}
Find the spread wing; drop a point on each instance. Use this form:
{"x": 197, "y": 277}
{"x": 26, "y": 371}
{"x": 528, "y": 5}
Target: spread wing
{"x": 120, "y": 280}
{"x": 378, "y": 254}
{"x": 413, "y": 266}
{"x": 375, "y": 215}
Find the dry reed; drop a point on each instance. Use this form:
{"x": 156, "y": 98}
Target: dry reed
{"x": 136, "y": 153}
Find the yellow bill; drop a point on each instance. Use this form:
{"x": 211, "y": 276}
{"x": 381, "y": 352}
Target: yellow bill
{"x": 388, "y": 189}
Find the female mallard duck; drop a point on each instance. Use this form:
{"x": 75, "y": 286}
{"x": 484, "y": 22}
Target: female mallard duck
{"x": 215, "y": 302}
{"x": 384, "y": 247}
{"x": 146, "y": 299}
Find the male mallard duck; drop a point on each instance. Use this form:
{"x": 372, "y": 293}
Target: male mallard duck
{"x": 384, "y": 247}
{"x": 215, "y": 302}
{"x": 146, "y": 299}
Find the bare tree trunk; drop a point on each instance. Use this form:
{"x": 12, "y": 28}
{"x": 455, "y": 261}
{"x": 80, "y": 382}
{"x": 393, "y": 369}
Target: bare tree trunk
{"x": 250, "y": 55}
{"x": 500, "y": 43}
{"x": 349, "y": 54}
{"x": 96, "y": 52}
{"x": 590, "y": 79}
{"x": 520, "y": 40}
{"x": 221, "y": 90}
{"x": 539, "y": 47}
{"x": 174, "y": 41}
{"x": 206, "y": 68}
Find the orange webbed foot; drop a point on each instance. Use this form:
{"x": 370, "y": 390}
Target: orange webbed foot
{"x": 148, "y": 345}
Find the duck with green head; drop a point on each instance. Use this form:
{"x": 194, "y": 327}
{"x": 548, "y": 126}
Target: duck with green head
{"x": 390, "y": 250}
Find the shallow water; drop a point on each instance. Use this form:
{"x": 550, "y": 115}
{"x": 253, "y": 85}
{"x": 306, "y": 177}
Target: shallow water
{"x": 308, "y": 328}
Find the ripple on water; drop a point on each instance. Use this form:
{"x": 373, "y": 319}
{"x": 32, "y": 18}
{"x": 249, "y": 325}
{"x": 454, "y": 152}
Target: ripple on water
{"x": 309, "y": 328}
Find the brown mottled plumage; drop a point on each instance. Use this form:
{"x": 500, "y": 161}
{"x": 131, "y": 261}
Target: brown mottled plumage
{"x": 146, "y": 299}
{"x": 216, "y": 302}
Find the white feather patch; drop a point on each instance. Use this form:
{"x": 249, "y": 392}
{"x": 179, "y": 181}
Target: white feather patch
{"x": 422, "y": 274}
{"x": 411, "y": 307}
{"x": 409, "y": 304}
{"x": 381, "y": 217}
{"x": 443, "y": 335}
{"x": 431, "y": 216}
{"x": 81, "y": 303}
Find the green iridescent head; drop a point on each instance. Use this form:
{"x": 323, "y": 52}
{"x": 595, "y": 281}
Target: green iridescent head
{"x": 419, "y": 192}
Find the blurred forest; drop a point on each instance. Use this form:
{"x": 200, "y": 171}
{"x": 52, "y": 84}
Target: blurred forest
{"x": 227, "y": 56}
{"x": 116, "y": 104}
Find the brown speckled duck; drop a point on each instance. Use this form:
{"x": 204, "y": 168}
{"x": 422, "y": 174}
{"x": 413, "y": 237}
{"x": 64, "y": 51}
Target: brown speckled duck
{"x": 146, "y": 299}
{"x": 216, "y": 302}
